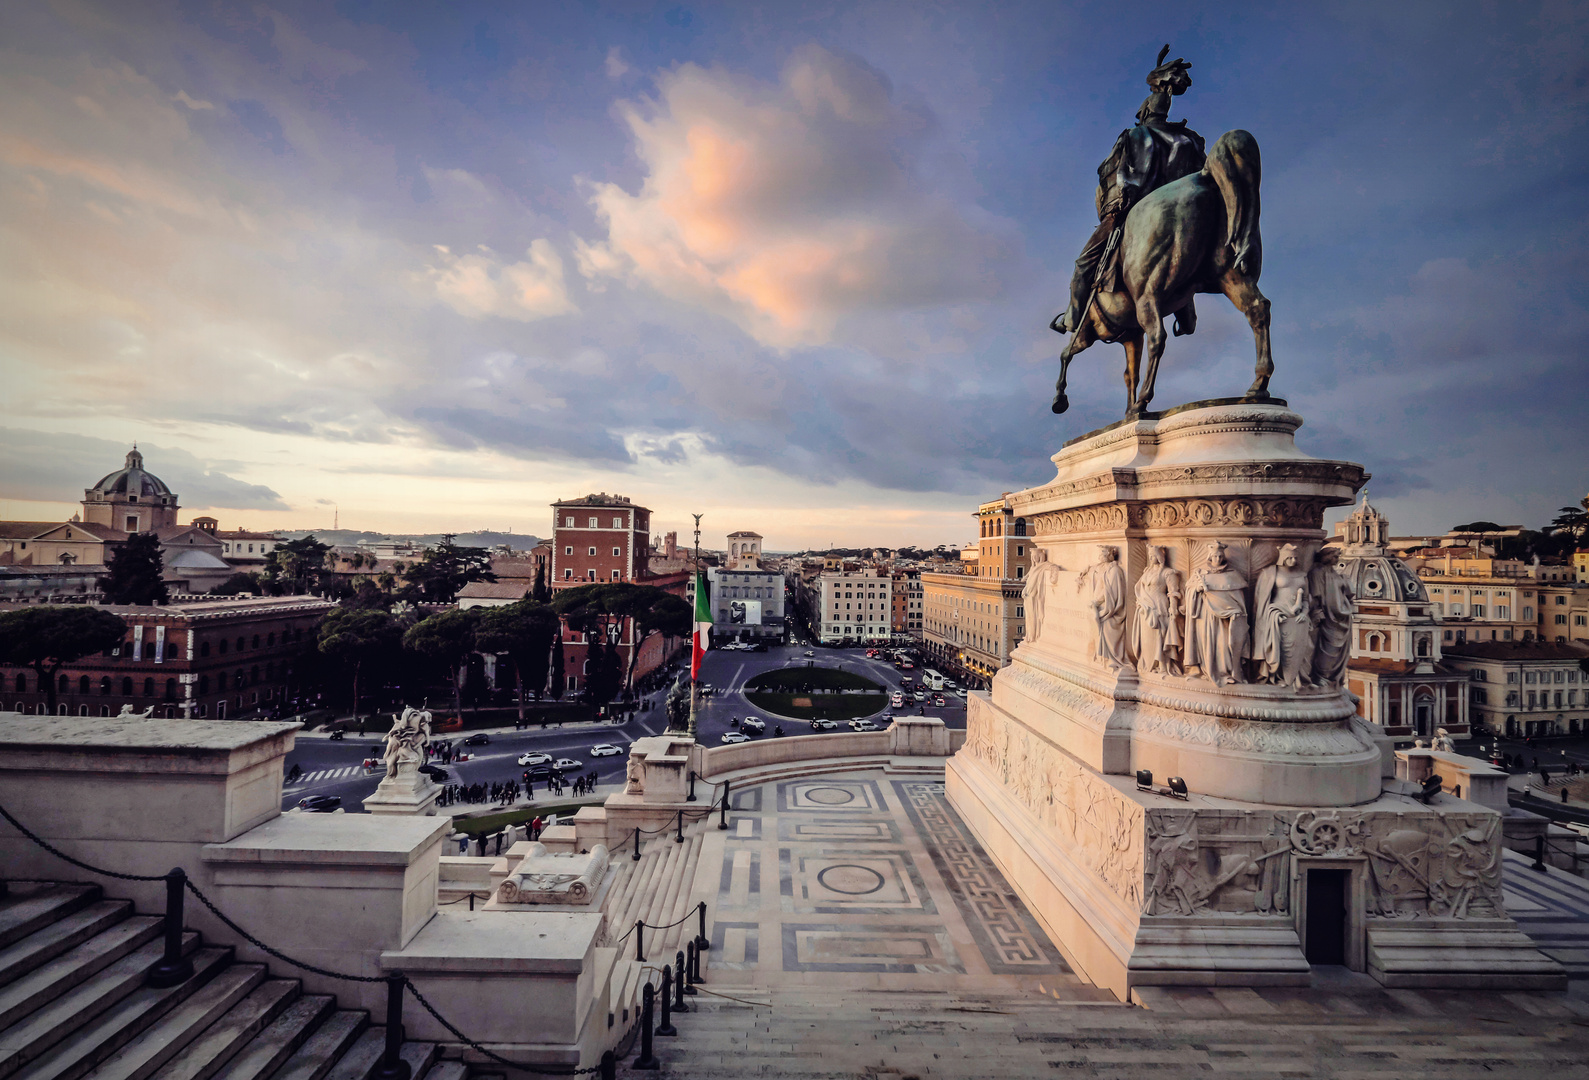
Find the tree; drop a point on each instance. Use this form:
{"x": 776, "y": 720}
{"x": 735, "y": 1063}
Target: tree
{"x": 446, "y": 638}
{"x": 601, "y": 670}
{"x": 359, "y": 637}
{"x": 556, "y": 680}
{"x": 297, "y": 564}
{"x": 1572, "y": 519}
{"x": 654, "y": 611}
{"x": 45, "y": 638}
{"x": 1478, "y": 527}
{"x": 523, "y": 633}
{"x": 136, "y": 572}
{"x": 445, "y": 569}
{"x": 541, "y": 593}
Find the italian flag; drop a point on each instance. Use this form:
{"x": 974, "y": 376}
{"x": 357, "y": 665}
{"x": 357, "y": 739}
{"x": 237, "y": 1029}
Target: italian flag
{"x": 703, "y": 625}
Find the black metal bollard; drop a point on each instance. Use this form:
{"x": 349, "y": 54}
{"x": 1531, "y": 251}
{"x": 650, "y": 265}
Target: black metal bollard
{"x": 666, "y": 1027}
{"x": 173, "y": 967}
{"x": 1539, "y": 855}
{"x": 691, "y": 796}
{"x": 392, "y": 1066}
{"x": 646, "y": 1060}
{"x": 685, "y": 985}
{"x": 639, "y": 935}
{"x": 701, "y": 943}
{"x": 636, "y": 855}
{"x": 679, "y": 839}
{"x": 693, "y": 969}
{"x": 471, "y": 899}
{"x": 722, "y": 820}
{"x": 609, "y": 1065}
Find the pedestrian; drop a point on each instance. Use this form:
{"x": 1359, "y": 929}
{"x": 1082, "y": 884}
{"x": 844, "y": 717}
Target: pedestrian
{"x": 535, "y": 828}
{"x": 463, "y": 845}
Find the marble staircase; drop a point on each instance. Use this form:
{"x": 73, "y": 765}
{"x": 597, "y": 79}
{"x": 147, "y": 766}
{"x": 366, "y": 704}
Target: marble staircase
{"x": 74, "y": 1004}
{"x": 657, "y": 889}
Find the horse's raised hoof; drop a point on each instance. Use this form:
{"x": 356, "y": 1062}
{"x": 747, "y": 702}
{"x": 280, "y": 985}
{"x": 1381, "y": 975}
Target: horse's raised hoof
{"x": 1061, "y": 403}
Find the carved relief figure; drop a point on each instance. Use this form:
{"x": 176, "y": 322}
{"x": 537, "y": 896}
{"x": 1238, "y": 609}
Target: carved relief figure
{"x": 1106, "y": 582}
{"x": 635, "y": 778}
{"x": 1470, "y": 886}
{"x": 1282, "y": 634}
{"x": 406, "y": 742}
{"x": 1332, "y": 616}
{"x": 1156, "y": 630}
{"x": 1041, "y": 580}
{"x": 127, "y": 713}
{"x": 1173, "y": 888}
{"x": 1216, "y": 620}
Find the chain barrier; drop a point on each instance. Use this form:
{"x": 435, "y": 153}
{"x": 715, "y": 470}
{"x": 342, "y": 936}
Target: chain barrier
{"x": 277, "y": 953}
{"x": 80, "y": 864}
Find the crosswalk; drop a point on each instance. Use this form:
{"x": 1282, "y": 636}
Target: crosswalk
{"x": 329, "y": 774}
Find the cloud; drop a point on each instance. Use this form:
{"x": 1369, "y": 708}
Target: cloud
{"x": 56, "y": 467}
{"x": 787, "y": 206}
{"x": 481, "y": 284}
{"x": 615, "y": 66}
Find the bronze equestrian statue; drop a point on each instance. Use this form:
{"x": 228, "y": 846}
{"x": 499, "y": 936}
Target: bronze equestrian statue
{"x": 1172, "y": 223}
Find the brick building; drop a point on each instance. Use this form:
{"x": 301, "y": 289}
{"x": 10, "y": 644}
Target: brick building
{"x": 599, "y": 538}
{"x": 202, "y": 660}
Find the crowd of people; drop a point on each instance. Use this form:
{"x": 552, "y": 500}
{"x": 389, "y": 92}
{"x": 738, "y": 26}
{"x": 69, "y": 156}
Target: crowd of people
{"x": 508, "y": 792}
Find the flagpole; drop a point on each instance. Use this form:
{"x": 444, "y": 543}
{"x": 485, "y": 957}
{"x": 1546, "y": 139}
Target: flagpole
{"x": 700, "y": 583}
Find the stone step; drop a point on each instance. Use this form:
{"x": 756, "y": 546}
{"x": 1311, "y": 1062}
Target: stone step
{"x": 63, "y": 935}
{"x": 447, "y": 1070}
{"x": 144, "y": 1055}
{"x": 271, "y": 1048}
{"x": 322, "y": 1049}
{"x": 361, "y": 1058}
{"x": 56, "y": 977}
{"x": 112, "y": 1029}
{"x": 34, "y": 910}
{"x": 33, "y": 1035}
{"x": 220, "y": 1042}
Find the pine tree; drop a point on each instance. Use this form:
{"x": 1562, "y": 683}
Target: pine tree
{"x": 557, "y": 665}
{"x": 136, "y": 569}
{"x": 541, "y": 594}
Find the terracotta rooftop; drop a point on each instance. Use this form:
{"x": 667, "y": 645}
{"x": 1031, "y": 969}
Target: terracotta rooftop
{"x": 1517, "y": 650}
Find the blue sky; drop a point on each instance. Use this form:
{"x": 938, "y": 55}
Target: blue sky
{"x": 789, "y": 264}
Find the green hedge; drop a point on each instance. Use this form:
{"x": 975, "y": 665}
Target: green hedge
{"x": 832, "y": 706}
{"x": 797, "y": 679}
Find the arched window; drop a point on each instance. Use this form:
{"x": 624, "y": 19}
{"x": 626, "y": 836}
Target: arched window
{"x": 204, "y": 648}
{"x": 64, "y": 683}
{"x": 204, "y": 684}
{"x": 148, "y": 688}
{"x": 171, "y": 689}
{"x": 256, "y": 641}
{"x": 237, "y": 679}
{"x": 241, "y": 644}
{"x": 22, "y": 684}
{"x": 171, "y": 650}
{"x": 82, "y": 710}
{"x": 82, "y": 686}
{"x": 104, "y": 685}
{"x": 270, "y": 639}
{"x": 126, "y": 686}
{"x": 1423, "y": 646}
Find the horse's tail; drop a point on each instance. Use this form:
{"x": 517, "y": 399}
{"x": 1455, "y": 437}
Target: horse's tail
{"x": 1236, "y": 170}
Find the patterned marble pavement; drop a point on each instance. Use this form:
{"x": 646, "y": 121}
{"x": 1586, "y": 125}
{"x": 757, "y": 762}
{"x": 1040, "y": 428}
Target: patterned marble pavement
{"x": 856, "y": 881}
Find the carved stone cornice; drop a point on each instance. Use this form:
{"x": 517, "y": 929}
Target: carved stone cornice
{"x": 1283, "y": 512}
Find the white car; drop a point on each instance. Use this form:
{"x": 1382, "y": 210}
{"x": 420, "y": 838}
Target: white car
{"x": 733, "y": 737}
{"x": 565, "y": 763}
{"x": 820, "y": 724}
{"x": 898, "y": 700}
{"x": 750, "y": 723}
{"x": 864, "y": 725}
{"x": 535, "y": 759}
{"x": 606, "y": 749}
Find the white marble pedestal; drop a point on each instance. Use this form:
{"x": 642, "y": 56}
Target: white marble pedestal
{"x": 1293, "y": 800}
{"x": 409, "y": 792}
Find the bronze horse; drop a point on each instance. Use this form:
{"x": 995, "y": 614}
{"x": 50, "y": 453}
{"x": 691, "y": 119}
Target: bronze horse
{"x": 1198, "y": 234}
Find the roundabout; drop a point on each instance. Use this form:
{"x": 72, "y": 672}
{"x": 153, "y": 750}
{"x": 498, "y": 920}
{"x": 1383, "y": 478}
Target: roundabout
{"x": 806, "y": 693}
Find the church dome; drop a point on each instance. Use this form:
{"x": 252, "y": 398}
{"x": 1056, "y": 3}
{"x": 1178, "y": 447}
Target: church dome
{"x": 1381, "y": 576}
{"x": 132, "y": 480}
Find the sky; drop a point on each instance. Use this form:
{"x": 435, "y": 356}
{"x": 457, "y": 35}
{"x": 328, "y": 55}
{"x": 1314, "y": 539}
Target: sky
{"x": 430, "y": 267}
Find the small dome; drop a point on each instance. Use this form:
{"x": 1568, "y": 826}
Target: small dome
{"x": 1381, "y": 576}
{"x": 132, "y": 480}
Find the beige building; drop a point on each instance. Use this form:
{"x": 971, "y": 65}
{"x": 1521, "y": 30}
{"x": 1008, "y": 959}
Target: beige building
{"x": 1524, "y": 688}
{"x": 971, "y": 622}
{"x": 854, "y": 605}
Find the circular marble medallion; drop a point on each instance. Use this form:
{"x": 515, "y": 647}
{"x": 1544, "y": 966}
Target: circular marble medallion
{"x": 830, "y": 796}
{"x": 850, "y": 879}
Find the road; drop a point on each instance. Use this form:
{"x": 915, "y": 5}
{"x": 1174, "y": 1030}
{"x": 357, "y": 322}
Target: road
{"x": 334, "y": 768}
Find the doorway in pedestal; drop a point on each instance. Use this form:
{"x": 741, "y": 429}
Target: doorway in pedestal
{"x": 1326, "y": 907}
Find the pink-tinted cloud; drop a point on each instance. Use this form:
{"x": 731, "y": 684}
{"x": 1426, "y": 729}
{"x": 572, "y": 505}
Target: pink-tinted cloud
{"x": 788, "y": 206}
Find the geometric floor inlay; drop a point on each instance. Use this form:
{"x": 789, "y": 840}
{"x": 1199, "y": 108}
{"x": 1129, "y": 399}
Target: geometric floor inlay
{"x": 904, "y": 949}
{"x": 832, "y": 881}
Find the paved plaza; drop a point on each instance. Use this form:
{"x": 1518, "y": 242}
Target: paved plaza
{"x": 859, "y": 930}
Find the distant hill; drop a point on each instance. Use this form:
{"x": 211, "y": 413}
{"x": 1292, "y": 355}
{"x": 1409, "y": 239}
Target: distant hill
{"x": 351, "y": 537}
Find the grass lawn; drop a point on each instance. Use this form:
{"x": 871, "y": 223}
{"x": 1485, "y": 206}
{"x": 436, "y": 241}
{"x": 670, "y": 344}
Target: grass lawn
{"x": 804, "y": 707}
{"x": 810, "y": 678}
{"x": 534, "y": 716}
{"x": 488, "y": 824}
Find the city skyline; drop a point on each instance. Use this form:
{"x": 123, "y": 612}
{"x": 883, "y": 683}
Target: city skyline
{"x": 438, "y": 270}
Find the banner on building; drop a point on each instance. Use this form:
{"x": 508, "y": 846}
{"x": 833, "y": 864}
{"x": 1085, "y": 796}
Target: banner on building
{"x": 744, "y": 612}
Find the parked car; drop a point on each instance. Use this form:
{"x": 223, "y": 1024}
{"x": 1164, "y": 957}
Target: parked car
{"x": 733, "y": 737}
{"x": 563, "y": 764}
{"x": 534, "y": 759}
{"x": 750, "y": 723}
{"x": 478, "y": 739}
{"x": 320, "y": 804}
{"x": 822, "y": 724}
{"x": 542, "y": 772}
{"x": 604, "y": 750}
{"x": 864, "y": 725}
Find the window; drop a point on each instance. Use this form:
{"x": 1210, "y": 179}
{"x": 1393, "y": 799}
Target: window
{"x": 1528, "y": 612}
{"x": 616, "y": 552}
{"x": 567, "y": 574}
{"x": 617, "y": 522}
{"x": 270, "y": 640}
{"x": 240, "y": 644}
{"x": 148, "y": 688}
{"x": 592, "y": 551}
{"x": 104, "y": 684}
{"x": 615, "y": 575}
{"x": 1561, "y": 601}
{"x": 569, "y": 550}
{"x": 82, "y": 685}
{"x": 1531, "y": 677}
{"x": 593, "y": 524}
{"x": 1503, "y": 611}
{"x": 568, "y": 522}
{"x": 1561, "y": 620}
{"x": 590, "y": 575}
{"x": 1478, "y": 611}
{"x": 1580, "y": 620}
